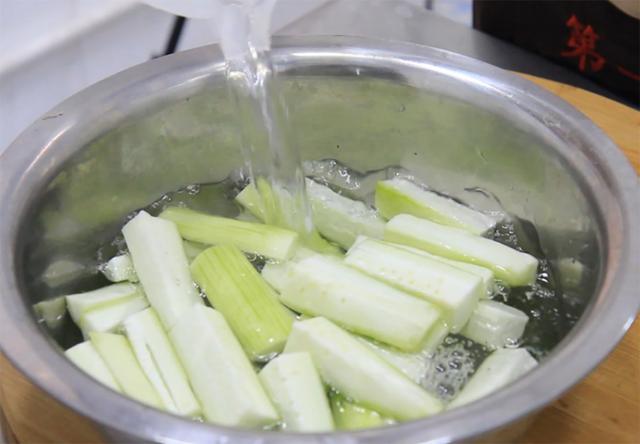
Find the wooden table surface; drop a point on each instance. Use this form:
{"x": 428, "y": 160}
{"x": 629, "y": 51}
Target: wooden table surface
{"x": 604, "y": 408}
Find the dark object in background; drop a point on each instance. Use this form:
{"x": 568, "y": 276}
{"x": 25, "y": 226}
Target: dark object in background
{"x": 593, "y": 37}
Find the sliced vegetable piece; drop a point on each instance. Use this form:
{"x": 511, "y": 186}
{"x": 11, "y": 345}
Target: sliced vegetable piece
{"x": 400, "y": 196}
{"x": 160, "y": 362}
{"x": 104, "y": 309}
{"x": 488, "y": 281}
{"x": 455, "y": 291}
{"x": 52, "y": 311}
{"x": 85, "y": 356}
{"x": 266, "y": 240}
{"x": 79, "y": 303}
{"x": 234, "y": 287}
{"x": 293, "y": 384}
{"x": 514, "y": 267}
{"x": 499, "y": 369}
{"x": 161, "y": 264}
{"x": 341, "y": 219}
{"x": 251, "y": 201}
{"x": 117, "y": 354}
{"x": 109, "y": 318}
{"x": 495, "y": 324}
{"x": 323, "y": 286}
{"x": 413, "y": 365}
{"x": 348, "y": 415}
{"x": 220, "y": 373}
{"x": 357, "y": 372}
{"x": 119, "y": 269}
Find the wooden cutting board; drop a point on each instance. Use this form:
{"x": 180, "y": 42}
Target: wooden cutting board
{"x": 604, "y": 408}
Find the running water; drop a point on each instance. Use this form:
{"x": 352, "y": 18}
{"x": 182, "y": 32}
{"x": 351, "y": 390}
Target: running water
{"x": 270, "y": 154}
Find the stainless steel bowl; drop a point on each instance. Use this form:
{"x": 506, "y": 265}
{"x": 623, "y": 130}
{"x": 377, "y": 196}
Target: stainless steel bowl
{"x": 67, "y": 182}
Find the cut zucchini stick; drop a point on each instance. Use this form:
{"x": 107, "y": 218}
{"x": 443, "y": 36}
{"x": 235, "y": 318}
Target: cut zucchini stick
{"x": 160, "y": 362}
{"x": 341, "y": 219}
{"x": 119, "y": 269}
{"x": 52, "y": 311}
{"x": 348, "y": 415}
{"x": 117, "y": 354}
{"x": 266, "y": 240}
{"x": 250, "y": 200}
{"x": 400, "y": 196}
{"x": 499, "y": 369}
{"x": 488, "y": 281}
{"x": 455, "y": 291}
{"x": 275, "y": 274}
{"x": 413, "y": 365}
{"x": 220, "y": 373}
{"x": 161, "y": 264}
{"x": 78, "y": 304}
{"x": 85, "y": 356}
{"x": 495, "y": 325}
{"x": 104, "y": 309}
{"x": 293, "y": 384}
{"x": 234, "y": 287}
{"x": 324, "y": 286}
{"x": 357, "y": 372}
{"x": 109, "y": 318}
{"x": 512, "y": 266}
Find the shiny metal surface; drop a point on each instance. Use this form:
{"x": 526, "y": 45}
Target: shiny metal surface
{"x": 67, "y": 183}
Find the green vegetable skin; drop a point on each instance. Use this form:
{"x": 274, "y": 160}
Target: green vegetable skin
{"x": 117, "y": 354}
{"x": 323, "y": 286}
{"x": 266, "y": 240}
{"x": 351, "y": 416}
{"x": 455, "y": 291}
{"x": 160, "y": 362}
{"x": 250, "y": 306}
{"x": 222, "y": 377}
{"x": 400, "y": 196}
{"x": 357, "y": 372}
{"x": 512, "y": 266}
{"x": 293, "y": 384}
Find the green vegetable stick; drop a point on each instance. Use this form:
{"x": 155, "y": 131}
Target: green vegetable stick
{"x": 293, "y": 384}
{"x": 250, "y": 200}
{"x": 160, "y": 362}
{"x": 234, "y": 287}
{"x": 222, "y": 377}
{"x": 495, "y": 324}
{"x": 455, "y": 291}
{"x": 514, "y": 267}
{"x": 118, "y": 355}
{"x": 501, "y": 367}
{"x": 359, "y": 373}
{"x": 158, "y": 256}
{"x": 400, "y": 196}
{"x": 85, "y": 356}
{"x": 267, "y": 240}
{"x": 323, "y": 286}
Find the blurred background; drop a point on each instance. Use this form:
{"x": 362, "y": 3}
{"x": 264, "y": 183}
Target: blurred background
{"x": 50, "y": 49}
